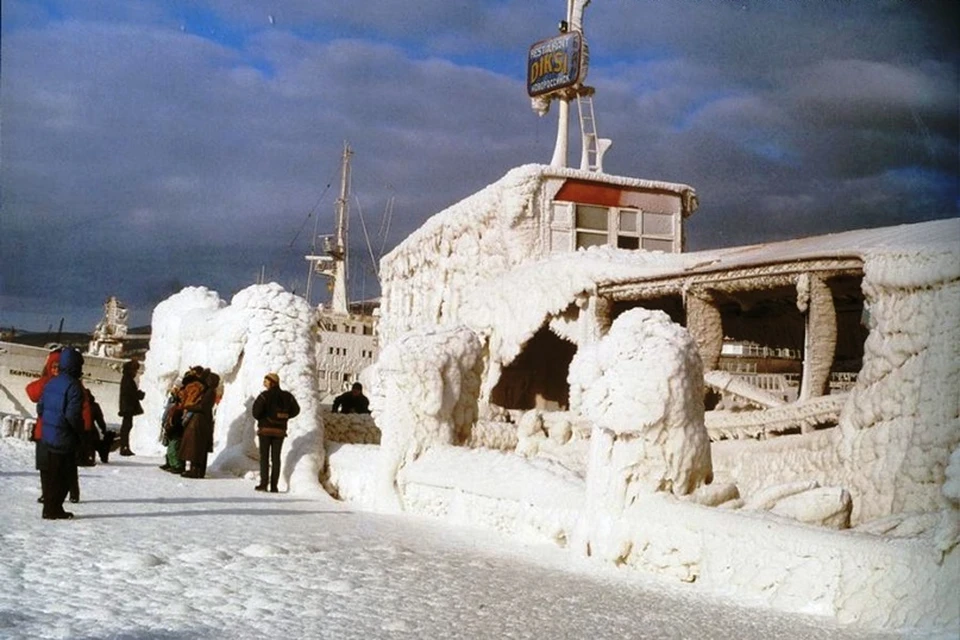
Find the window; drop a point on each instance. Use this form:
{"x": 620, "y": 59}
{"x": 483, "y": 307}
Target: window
{"x": 657, "y": 224}
{"x": 591, "y": 225}
{"x": 654, "y": 244}
{"x": 624, "y": 228}
{"x": 628, "y": 236}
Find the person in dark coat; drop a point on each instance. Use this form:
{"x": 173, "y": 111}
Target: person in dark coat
{"x": 103, "y": 440}
{"x": 61, "y": 409}
{"x": 272, "y": 409}
{"x": 35, "y": 391}
{"x": 352, "y": 401}
{"x": 130, "y": 397}
{"x": 197, "y": 439}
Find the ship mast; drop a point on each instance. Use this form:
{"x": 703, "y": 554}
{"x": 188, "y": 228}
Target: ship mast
{"x": 338, "y": 300}
{"x": 333, "y": 264}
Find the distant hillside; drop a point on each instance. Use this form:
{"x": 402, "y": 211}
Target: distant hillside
{"x": 40, "y": 339}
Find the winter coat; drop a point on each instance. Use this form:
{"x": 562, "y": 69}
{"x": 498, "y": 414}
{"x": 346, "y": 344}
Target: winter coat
{"x": 130, "y": 396}
{"x": 349, "y": 403}
{"x": 61, "y": 405}
{"x": 35, "y": 390}
{"x": 272, "y": 409}
{"x": 198, "y": 428}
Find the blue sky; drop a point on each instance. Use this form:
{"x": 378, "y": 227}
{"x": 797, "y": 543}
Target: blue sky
{"x": 150, "y": 145}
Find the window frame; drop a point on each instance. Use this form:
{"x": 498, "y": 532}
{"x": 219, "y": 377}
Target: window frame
{"x": 614, "y": 233}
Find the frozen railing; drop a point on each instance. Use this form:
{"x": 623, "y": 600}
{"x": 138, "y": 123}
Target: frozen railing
{"x": 802, "y": 416}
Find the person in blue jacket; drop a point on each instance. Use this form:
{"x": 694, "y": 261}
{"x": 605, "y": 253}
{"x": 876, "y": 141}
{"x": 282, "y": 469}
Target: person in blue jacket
{"x": 61, "y": 408}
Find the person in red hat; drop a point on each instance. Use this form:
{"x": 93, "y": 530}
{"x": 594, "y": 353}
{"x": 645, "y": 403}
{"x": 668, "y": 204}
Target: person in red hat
{"x": 35, "y": 391}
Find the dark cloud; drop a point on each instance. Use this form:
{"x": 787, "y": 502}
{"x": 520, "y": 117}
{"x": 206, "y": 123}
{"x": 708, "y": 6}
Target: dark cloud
{"x": 150, "y": 145}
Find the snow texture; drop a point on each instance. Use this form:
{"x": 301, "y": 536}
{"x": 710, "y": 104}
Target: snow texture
{"x": 641, "y": 386}
{"x": 264, "y": 329}
{"x": 426, "y": 396}
{"x": 465, "y": 293}
{"x": 152, "y": 555}
{"x": 478, "y": 266}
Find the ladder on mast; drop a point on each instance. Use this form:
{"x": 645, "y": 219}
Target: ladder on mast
{"x": 590, "y": 159}
{"x": 593, "y": 146}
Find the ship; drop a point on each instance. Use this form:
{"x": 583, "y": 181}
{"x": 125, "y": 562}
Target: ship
{"x": 103, "y": 361}
{"x": 346, "y": 332}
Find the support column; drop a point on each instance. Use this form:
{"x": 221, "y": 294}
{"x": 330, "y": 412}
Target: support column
{"x": 595, "y": 319}
{"x": 705, "y": 324}
{"x": 815, "y": 299}
{"x": 563, "y": 126}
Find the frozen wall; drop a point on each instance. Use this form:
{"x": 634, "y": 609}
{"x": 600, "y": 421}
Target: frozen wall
{"x": 263, "y": 329}
{"x": 426, "y": 396}
{"x": 484, "y": 235}
{"x": 900, "y": 424}
{"x": 479, "y": 237}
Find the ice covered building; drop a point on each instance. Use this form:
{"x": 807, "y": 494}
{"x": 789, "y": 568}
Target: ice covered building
{"x": 572, "y": 395}
{"x": 534, "y": 211}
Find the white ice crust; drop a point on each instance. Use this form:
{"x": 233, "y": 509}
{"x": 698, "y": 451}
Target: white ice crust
{"x": 888, "y": 458}
{"x": 462, "y": 298}
{"x": 264, "y": 329}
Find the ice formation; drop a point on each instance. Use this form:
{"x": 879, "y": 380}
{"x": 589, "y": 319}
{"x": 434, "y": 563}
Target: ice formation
{"x": 263, "y": 329}
{"x": 641, "y": 387}
{"x": 885, "y": 468}
{"x": 858, "y": 520}
{"x": 427, "y": 387}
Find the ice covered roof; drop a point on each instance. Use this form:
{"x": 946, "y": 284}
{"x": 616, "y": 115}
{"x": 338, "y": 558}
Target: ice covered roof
{"x": 937, "y": 237}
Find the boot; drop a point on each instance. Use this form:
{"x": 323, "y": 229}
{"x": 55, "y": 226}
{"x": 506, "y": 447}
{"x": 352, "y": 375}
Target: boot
{"x": 106, "y": 445}
{"x": 125, "y": 439}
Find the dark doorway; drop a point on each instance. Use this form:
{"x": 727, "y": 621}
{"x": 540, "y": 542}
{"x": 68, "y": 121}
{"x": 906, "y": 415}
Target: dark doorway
{"x": 537, "y": 378}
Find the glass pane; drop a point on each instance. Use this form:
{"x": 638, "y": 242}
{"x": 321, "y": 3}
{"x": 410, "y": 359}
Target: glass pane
{"x": 660, "y": 224}
{"x": 653, "y": 244}
{"x": 591, "y": 217}
{"x": 628, "y": 221}
{"x": 628, "y": 242}
{"x": 591, "y": 240}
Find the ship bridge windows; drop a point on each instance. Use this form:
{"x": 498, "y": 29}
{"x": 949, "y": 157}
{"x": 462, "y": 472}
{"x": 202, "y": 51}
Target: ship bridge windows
{"x": 592, "y": 223}
{"x": 624, "y": 228}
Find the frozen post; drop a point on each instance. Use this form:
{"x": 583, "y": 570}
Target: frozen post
{"x": 641, "y": 386}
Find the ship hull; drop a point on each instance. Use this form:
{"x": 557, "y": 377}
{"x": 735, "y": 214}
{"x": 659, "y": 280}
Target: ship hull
{"x": 20, "y": 364}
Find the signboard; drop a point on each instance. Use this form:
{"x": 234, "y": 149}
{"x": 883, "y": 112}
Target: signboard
{"x": 554, "y": 64}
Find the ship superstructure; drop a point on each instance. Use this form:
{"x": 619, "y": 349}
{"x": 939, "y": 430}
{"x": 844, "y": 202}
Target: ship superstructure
{"x": 346, "y": 334}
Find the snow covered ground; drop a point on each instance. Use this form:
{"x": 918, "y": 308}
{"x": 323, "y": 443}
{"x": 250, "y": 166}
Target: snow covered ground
{"x": 151, "y": 555}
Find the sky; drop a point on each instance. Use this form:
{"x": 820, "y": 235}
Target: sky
{"x": 153, "y": 555}
{"x": 147, "y": 145}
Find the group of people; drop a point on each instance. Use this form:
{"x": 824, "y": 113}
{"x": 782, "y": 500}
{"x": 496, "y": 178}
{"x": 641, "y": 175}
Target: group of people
{"x": 70, "y": 430}
{"x": 187, "y": 423}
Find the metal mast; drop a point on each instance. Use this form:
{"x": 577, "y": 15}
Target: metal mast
{"x": 333, "y": 264}
{"x": 338, "y": 301}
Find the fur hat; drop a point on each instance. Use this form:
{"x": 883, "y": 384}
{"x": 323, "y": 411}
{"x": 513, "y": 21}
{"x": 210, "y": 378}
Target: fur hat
{"x": 273, "y": 377}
